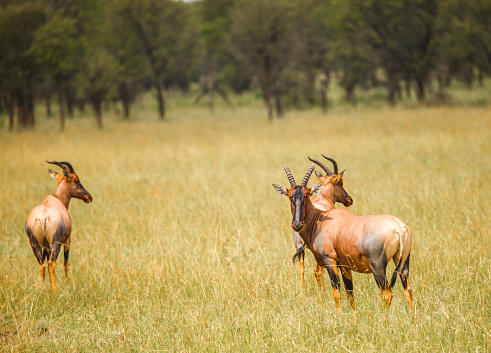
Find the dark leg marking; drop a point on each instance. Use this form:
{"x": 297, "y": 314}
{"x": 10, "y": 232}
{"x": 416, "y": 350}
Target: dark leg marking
{"x": 405, "y": 283}
{"x": 348, "y": 285}
{"x": 65, "y": 255}
{"x": 333, "y": 276}
{"x": 333, "y": 271}
{"x": 378, "y": 269}
{"x": 299, "y": 254}
{"x": 56, "y": 246}
{"x": 405, "y": 272}
{"x": 36, "y": 248}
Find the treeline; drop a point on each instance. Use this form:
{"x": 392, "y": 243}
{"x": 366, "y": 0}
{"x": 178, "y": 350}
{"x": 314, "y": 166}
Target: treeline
{"x": 74, "y": 53}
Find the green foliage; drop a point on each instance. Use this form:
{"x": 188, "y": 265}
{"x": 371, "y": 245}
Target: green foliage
{"x": 466, "y": 32}
{"x": 54, "y": 44}
{"x": 262, "y": 32}
{"x": 98, "y": 75}
{"x": 285, "y": 48}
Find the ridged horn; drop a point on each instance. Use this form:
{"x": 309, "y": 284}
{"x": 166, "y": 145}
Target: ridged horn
{"x": 290, "y": 176}
{"x": 322, "y": 165}
{"x": 67, "y": 167}
{"x": 307, "y": 175}
{"x": 333, "y": 163}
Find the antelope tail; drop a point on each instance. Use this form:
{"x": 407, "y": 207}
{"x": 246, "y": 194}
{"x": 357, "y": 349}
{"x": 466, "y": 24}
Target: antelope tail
{"x": 45, "y": 225}
{"x": 402, "y": 233}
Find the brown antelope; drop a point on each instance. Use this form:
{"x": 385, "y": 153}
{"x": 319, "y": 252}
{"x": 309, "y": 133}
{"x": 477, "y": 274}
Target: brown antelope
{"x": 340, "y": 240}
{"x": 331, "y": 192}
{"x": 49, "y": 225}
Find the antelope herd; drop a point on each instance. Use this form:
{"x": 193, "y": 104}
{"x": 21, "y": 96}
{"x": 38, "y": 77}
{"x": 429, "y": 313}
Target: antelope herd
{"x": 340, "y": 241}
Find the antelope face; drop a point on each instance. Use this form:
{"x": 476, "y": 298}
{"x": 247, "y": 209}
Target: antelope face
{"x": 298, "y": 196}
{"x": 333, "y": 188}
{"x": 298, "y": 199}
{"x": 333, "y": 183}
{"x": 77, "y": 190}
{"x": 69, "y": 182}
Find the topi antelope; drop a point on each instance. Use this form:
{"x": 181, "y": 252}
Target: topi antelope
{"x": 340, "y": 240}
{"x": 49, "y": 226}
{"x": 332, "y": 191}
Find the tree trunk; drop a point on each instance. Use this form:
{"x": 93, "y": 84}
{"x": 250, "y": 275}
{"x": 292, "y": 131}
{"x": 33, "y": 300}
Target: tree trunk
{"x": 125, "y": 96}
{"x": 49, "y": 112}
{"x": 21, "y": 111}
{"x": 60, "y": 106}
{"x": 267, "y": 100}
{"x": 392, "y": 91}
{"x": 420, "y": 91}
{"x": 97, "y": 104}
{"x": 25, "y": 110}
{"x": 11, "y": 106}
{"x": 264, "y": 83}
{"x": 278, "y": 104}
{"x": 160, "y": 100}
{"x": 323, "y": 92}
{"x": 30, "y": 109}
{"x": 468, "y": 76}
{"x": 350, "y": 94}
{"x": 398, "y": 90}
{"x": 211, "y": 93}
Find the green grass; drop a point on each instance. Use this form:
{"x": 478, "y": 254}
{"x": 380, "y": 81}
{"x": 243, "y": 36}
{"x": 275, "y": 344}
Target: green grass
{"x": 187, "y": 247}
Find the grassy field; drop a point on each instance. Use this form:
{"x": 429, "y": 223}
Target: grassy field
{"x": 187, "y": 247}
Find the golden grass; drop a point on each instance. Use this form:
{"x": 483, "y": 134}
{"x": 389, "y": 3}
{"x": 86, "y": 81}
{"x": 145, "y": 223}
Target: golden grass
{"x": 187, "y": 247}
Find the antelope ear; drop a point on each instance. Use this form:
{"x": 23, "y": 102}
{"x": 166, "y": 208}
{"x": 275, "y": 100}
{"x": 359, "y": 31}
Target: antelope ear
{"x": 318, "y": 175}
{"x": 314, "y": 190}
{"x": 336, "y": 178}
{"x": 280, "y": 189}
{"x": 54, "y": 174}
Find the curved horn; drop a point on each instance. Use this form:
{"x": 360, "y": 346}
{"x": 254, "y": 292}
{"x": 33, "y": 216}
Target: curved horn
{"x": 290, "y": 176}
{"x": 333, "y": 163}
{"x": 322, "y": 165}
{"x": 307, "y": 175}
{"x": 67, "y": 167}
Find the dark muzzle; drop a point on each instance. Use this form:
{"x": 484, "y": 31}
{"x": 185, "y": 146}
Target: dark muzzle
{"x": 297, "y": 225}
{"x": 349, "y": 201}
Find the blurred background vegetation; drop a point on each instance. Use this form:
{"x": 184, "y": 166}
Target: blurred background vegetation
{"x": 69, "y": 55}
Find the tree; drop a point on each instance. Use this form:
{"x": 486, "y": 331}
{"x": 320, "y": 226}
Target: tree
{"x": 19, "y": 69}
{"x": 97, "y": 79}
{"x": 157, "y": 25}
{"x": 403, "y": 34}
{"x": 261, "y": 36}
{"x": 214, "y": 31}
{"x": 467, "y": 34}
{"x": 54, "y": 49}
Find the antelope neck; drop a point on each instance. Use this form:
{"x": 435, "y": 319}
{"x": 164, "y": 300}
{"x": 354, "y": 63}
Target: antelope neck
{"x": 312, "y": 220}
{"x": 62, "y": 196}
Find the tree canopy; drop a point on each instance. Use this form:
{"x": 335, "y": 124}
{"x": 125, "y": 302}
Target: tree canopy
{"x": 91, "y": 51}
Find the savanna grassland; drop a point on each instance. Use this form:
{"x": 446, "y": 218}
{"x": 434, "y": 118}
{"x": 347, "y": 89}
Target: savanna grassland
{"x": 187, "y": 247}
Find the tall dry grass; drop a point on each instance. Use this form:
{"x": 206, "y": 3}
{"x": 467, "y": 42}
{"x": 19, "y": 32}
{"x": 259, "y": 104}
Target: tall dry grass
{"x": 187, "y": 247}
